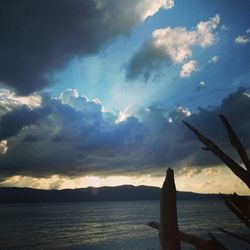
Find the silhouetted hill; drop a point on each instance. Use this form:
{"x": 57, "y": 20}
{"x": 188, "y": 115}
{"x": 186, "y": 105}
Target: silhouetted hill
{"x": 119, "y": 193}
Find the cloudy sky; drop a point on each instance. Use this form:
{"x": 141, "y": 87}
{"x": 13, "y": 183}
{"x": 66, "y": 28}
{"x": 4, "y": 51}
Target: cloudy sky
{"x": 94, "y": 92}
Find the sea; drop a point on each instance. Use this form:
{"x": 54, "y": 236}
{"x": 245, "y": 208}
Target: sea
{"x": 109, "y": 225}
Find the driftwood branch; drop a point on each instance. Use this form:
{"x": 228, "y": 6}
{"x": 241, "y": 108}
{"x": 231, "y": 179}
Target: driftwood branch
{"x": 199, "y": 243}
{"x": 236, "y": 204}
{"x": 154, "y": 224}
{"x": 236, "y": 142}
{"x": 210, "y": 145}
{"x": 235, "y": 235}
{"x": 169, "y": 237}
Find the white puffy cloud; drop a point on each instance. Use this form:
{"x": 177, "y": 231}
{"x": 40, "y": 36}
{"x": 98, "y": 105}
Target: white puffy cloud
{"x": 204, "y": 31}
{"x": 188, "y": 68}
{"x": 133, "y": 9}
{"x": 178, "y": 42}
{"x": 80, "y": 103}
{"x": 174, "y": 45}
{"x": 201, "y": 85}
{"x": 3, "y": 147}
{"x": 214, "y": 59}
{"x": 243, "y": 39}
{"x": 147, "y": 8}
{"x": 70, "y": 97}
{"x": 9, "y": 100}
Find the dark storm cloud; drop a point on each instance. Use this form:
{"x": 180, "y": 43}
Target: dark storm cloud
{"x": 146, "y": 62}
{"x": 32, "y": 138}
{"x": 12, "y": 122}
{"x": 39, "y": 37}
{"x": 235, "y": 107}
{"x": 70, "y": 142}
{"x": 57, "y": 138}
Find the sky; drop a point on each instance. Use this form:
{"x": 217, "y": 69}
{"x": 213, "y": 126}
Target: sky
{"x": 94, "y": 92}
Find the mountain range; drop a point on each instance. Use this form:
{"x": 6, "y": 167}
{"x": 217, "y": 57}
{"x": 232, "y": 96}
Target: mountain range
{"x": 118, "y": 193}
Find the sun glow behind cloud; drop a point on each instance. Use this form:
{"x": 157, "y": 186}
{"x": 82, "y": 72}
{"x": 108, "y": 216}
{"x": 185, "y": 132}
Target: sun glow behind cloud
{"x": 149, "y": 8}
{"x": 10, "y": 100}
{"x": 212, "y": 180}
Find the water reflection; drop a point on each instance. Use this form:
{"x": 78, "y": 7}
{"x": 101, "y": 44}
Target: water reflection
{"x": 103, "y": 225}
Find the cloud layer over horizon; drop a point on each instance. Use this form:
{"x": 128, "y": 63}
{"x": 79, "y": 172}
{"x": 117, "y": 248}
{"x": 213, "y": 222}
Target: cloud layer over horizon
{"x": 74, "y": 136}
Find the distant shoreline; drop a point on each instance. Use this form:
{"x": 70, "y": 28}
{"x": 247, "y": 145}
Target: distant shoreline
{"x": 118, "y": 193}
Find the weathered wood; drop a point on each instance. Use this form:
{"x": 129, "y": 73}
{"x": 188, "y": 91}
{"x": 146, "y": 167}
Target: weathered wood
{"x": 197, "y": 242}
{"x": 232, "y": 204}
{"x": 201, "y": 244}
{"x": 215, "y": 244}
{"x": 240, "y": 237}
{"x": 154, "y": 224}
{"x": 236, "y": 142}
{"x": 210, "y": 145}
{"x": 169, "y": 237}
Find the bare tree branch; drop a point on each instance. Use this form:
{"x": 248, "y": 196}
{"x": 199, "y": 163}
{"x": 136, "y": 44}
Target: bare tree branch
{"x": 194, "y": 240}
{"x": 236, "y": 142}
{"x": 233, "y": 205}
{"x": 210, "y": 145}
{"x": 235, "y": 235}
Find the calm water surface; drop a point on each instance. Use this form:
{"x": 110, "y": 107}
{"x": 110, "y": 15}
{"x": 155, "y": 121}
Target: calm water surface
{"x": 107, "y": 225}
